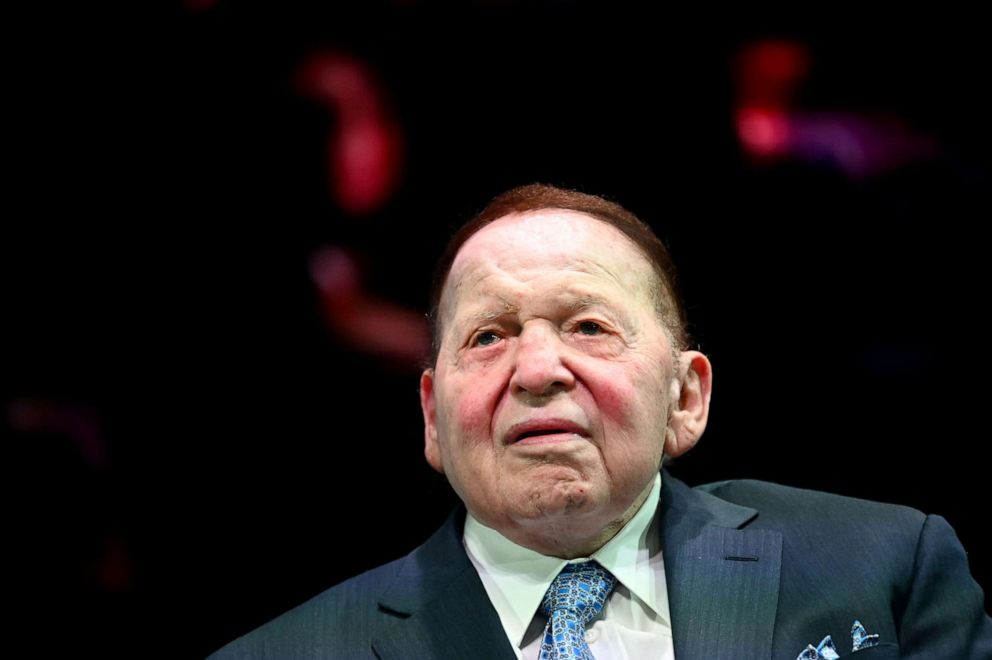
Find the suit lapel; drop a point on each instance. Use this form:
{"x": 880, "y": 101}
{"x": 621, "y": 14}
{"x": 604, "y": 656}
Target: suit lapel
{"x": 438, "y": 605}
{"x": 722, "y": 580}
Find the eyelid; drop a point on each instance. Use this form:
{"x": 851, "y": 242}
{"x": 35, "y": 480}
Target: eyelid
{"x": 473, "y": 339}
{"x": 603, "y": 325}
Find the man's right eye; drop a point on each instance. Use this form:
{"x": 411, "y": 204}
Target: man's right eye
{"x": 487, "y": 338}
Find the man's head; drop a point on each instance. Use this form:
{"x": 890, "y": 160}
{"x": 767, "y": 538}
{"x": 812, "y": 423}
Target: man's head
{"x": 557, "y": 387}
{"x": 533, "y": 197}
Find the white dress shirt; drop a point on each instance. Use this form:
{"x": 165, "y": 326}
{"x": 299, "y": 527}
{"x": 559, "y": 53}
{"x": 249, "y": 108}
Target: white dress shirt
{"x": 635, "y": 622}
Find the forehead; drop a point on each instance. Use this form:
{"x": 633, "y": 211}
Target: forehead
{"x": 545, "y": 247}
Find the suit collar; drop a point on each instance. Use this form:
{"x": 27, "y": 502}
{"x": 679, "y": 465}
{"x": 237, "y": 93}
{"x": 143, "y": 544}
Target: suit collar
{"x": 680, "y": 502}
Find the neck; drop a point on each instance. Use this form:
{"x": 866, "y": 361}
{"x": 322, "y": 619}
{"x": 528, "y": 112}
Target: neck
{"x": 567, "y": 538}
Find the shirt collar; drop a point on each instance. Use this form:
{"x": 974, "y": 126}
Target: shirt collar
{"x": 517, "y": 578}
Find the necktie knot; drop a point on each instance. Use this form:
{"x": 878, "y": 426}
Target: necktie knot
{"x": 574, "y": 599}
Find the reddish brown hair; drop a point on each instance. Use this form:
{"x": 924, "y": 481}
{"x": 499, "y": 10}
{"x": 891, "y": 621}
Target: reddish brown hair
{"x": 537, "y": 196}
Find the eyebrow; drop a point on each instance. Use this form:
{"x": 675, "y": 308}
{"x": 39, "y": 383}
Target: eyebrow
{"x": 581, "y": 302}
{"x": 483, "y": 315}
{"x": 573, "y": 304}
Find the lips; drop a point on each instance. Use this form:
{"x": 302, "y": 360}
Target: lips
{"x": 538, "y": 427}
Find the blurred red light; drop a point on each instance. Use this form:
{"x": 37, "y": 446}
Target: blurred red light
{"x": 365, "y": 149}
{"x": 763, "y": 131}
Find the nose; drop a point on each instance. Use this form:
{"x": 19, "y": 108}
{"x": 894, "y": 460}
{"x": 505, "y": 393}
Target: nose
{"x": 538, "y": 369}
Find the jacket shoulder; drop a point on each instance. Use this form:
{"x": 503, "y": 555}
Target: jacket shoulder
{"x": 341, "y": 621}
{"x": 334, "y": 623}
{"x": 805, "y": 509}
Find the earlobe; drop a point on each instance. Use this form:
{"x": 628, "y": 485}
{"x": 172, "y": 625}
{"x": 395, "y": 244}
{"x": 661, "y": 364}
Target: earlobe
{"x": 690, "y": 405}
{"x": 432, "y": 449}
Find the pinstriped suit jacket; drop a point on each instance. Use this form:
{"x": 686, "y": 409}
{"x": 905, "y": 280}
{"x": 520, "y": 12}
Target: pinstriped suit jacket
{"x": 754, "y": 570}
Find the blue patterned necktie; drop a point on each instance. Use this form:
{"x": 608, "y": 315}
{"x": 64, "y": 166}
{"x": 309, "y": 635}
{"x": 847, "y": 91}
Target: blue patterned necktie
{"x": 574, "y": 599}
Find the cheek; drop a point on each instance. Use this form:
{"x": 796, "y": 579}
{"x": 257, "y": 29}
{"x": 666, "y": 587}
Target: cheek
{"x": 626, "y": 397}
{"x": 473, "y": 418}
{"x": 475, "y": 407}
{"x": 616, "y": 394}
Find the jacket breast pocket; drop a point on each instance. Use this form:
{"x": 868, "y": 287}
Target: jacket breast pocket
{"x": 887, "y": 651}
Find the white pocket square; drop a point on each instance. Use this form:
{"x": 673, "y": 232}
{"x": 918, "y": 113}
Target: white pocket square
{"x": 860, "y": 639}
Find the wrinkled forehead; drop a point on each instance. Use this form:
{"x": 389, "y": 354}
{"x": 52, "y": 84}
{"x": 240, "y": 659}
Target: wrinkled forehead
{"x": 544, "y": 240}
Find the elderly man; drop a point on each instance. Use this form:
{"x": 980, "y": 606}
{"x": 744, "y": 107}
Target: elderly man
{"x": 559, "y": 383}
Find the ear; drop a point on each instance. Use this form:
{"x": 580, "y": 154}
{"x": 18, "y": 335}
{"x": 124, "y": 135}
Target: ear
{"x": 690, "y": 392}
{"x": 432, "y": 449}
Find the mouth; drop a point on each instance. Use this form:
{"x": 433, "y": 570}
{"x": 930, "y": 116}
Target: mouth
{"x": 544, "y": 432}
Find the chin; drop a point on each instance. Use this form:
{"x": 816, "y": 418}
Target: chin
{"x": 562, "y": 498}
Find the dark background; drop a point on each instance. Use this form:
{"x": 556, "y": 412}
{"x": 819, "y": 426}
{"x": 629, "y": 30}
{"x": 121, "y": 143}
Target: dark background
{"x": 193, "y": 451}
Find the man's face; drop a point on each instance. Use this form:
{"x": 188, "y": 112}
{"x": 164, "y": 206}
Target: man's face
{"x": 548, "y": 321}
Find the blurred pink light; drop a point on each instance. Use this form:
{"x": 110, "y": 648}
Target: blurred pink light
{"x": 764, "y": 132}
{"x": 769, "y": 127}
{"x": 363, "y": 321}
{"x": 365, "y": 163}
{"x": 366, "y": 147}
{"x": 768, "y": 73}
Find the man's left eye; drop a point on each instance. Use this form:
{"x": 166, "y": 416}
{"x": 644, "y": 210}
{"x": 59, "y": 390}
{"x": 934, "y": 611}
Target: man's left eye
{"x": 482, "y": 339}
{"x": 590, "y": 328}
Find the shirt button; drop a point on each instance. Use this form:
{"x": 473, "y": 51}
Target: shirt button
{"x": 592, "y": 635}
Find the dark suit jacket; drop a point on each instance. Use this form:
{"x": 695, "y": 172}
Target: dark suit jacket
{"x": 754, "y": 570}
